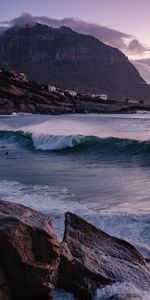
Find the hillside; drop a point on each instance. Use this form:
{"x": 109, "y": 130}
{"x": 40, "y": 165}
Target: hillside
{"x": 30, "y": 97}
{"x": 68, "y": 59}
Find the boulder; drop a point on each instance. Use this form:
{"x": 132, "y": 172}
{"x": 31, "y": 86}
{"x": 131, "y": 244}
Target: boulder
{"x": 4, "y": 287}
{"x": 29, "y": 253}
{"x": 92, "y": 259}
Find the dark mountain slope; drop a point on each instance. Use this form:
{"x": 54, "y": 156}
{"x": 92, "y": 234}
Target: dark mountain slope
{"x": 71, "y": 60}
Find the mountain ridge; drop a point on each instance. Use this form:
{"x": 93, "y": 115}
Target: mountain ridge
{"x": 72, "y": 60}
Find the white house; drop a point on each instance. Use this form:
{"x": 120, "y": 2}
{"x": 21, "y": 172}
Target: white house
{"x": 71, "y": 93}
{"x": 100, "y": 96}
{"x": 22, "y": 77}
{"x": 132, "y": 101}
{"x": 103, "y": 97}
{"x": 52, "y": 88}
{"x": 94, "y": 96}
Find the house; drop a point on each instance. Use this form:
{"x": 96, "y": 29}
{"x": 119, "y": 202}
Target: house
{"x": 52, "y": 88}
{"x": 19, "y": 77}
{"x": 132, "y": 101}
{"x": 71, "y": 93}
{"x": 22, "y": 77}
{"x": 100, "y": 96}
{"x": 14, "y": 74}
{"x": 94, "y": 96}
{"x": 103, "y": 97}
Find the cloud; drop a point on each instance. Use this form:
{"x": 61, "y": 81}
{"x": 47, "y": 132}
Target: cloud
{"x": 143, "y": 67}
{"x": 144, "y": 61}
{"x": 136, "y": 47}
{"x": 123, "y": 41}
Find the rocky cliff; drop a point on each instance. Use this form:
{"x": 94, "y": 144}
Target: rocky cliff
{"x": 71, "y": 60}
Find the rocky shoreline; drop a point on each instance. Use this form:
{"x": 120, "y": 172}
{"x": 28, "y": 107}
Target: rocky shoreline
{"x": 33, "y": 261}
{"x": 28, "y": 97}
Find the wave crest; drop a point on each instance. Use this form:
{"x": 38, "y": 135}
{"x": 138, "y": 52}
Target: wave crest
{"x": 77, "y": 143}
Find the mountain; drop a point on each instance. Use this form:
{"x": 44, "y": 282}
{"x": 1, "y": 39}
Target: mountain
{"x": 71, "y": 60}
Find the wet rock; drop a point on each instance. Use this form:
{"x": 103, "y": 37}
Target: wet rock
{"x": 29, "y": 252}
{"x": 4, "y": 287}
{"x": 92, "y": 259}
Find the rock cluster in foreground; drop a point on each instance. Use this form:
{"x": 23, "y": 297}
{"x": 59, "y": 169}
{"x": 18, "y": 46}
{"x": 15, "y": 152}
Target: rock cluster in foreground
{"x": 91, "y": 259}
{"x": 29, "y": 253}
{"x": 33, "y": 262}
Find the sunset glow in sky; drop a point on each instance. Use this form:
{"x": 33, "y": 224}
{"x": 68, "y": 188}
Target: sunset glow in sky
{"x": 130, "y": 18}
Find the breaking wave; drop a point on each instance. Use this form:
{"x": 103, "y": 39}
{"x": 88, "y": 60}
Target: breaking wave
{"x": 17, "y": 137}
{"x": 122, "y": 290}
{"x": 76, "y": 143}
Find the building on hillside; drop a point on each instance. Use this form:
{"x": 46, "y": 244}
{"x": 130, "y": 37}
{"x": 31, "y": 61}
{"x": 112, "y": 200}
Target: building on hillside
{"x": 52, "y": 88}
{"x": 14, "y": 74}
{"x": 100, "y": 96}
{"x": 19, "y": 77}
{"x": 103, "y": 97}
{"x": 133, "y": 101}
{"x": 71, "y": 93}
{"x": 22, "y": 77}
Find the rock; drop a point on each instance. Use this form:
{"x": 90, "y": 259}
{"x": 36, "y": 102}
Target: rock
{"x": 30, "y": 257}
{"x": 29, "y": 253}
{"x": 92, "y": 259}
{"x": 4, "y": 287}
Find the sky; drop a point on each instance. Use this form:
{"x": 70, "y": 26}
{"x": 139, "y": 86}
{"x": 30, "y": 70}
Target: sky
{"x": 121, "y": 23}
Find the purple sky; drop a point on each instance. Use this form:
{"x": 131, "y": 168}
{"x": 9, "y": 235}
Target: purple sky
{"x": 130, "y": 16}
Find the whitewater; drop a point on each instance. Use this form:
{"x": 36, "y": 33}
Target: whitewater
{"x": 97, "y": 166}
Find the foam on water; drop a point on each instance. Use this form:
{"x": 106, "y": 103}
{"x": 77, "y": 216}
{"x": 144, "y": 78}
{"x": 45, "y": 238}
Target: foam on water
{"x": 62, "y": 295}
{"x": 46, "y": 142}
{"x": 55, "y": 201}
{"x": 14, "y": 114}
{"x": 58, "y": 133}
{"x": 124, "y": 289}
{"x": 44, "y": 198}
{"x": 81, "y": 143}
{"x": 100, "y": 127}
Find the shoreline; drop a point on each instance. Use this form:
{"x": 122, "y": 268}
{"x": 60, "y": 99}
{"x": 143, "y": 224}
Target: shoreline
{"x": 29, "y": 97}
{"x": 79, "y": 107}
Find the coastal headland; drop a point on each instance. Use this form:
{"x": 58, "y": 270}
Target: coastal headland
{"x": 30, "y": 97}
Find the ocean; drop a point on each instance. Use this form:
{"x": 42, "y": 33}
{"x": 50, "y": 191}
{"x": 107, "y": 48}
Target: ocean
{"x": 95, "y": 165}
